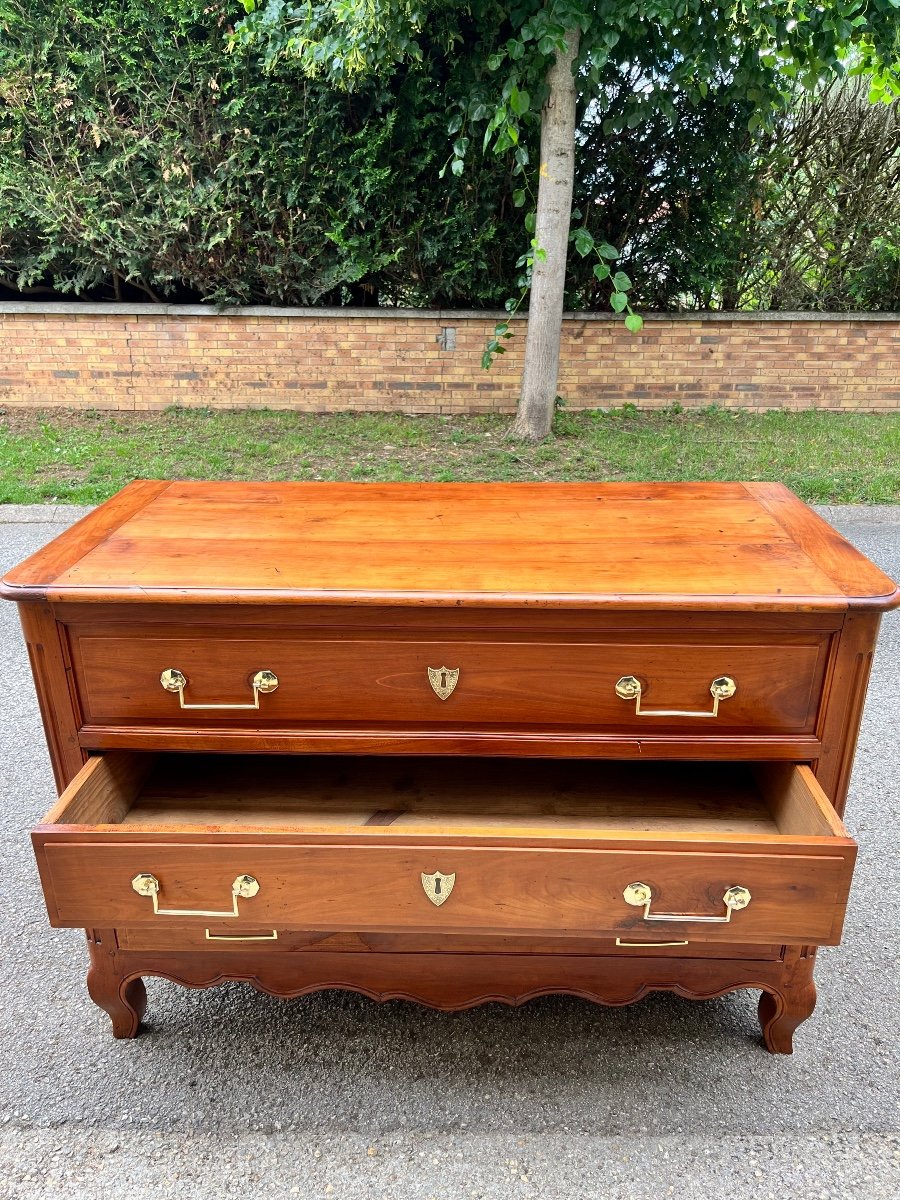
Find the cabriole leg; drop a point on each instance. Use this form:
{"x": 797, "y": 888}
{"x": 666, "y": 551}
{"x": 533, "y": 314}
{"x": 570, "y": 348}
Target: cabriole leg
{"x": 125, "y": 1002}
{"x": 781, "y": 1011}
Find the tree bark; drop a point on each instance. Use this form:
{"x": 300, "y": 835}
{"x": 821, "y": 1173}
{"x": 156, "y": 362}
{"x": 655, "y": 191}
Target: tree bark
{"x": 540, "y": 375}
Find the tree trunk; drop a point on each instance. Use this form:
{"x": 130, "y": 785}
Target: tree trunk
{"x": 540, "y": 375}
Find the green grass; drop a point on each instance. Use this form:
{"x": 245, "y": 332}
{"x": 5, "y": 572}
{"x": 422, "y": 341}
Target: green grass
{"x": 84, "y": 457}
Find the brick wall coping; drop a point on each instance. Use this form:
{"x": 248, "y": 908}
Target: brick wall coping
{"x": 76, "y": 308}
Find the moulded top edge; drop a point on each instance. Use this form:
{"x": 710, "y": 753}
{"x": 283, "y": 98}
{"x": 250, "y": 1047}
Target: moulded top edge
{"x": 410, "y": 599}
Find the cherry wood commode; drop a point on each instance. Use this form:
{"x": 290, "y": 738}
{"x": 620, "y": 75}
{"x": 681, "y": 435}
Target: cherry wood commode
{"x": 451, "y": 743}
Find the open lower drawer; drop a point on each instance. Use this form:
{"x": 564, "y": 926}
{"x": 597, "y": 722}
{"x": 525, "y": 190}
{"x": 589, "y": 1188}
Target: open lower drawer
{"x": 714, "y": 852}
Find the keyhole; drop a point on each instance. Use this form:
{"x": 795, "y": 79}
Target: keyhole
{"x": 443, "y": 679}
{"x": 437, "y": 887}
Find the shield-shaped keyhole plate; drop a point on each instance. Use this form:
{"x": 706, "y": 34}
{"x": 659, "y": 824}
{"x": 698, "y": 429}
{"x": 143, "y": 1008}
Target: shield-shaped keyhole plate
{"x": 443, "y": 680}
{"x": 438, "y": 887}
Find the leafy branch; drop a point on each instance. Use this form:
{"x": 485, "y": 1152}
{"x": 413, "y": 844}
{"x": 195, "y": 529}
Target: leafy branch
{"x": 585, "y": 245}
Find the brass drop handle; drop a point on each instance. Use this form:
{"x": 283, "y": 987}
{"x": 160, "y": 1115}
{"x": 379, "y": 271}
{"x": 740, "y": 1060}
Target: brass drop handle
{"x": 630, "y": 688}
{"x": 641, "y": 896}
{"x": 650, "y": 945}
{"x": 174, "y": 680}
{"x": 245, "y": 887}
{"x": 242, "y": 937}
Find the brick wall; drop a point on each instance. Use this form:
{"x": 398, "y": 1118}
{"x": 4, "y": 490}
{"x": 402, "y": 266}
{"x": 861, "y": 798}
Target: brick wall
{"x": 325, "y": 360}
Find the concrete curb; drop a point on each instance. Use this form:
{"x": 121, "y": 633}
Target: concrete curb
{"x": 37, "y": 514}
{"x": 872, "y": 514}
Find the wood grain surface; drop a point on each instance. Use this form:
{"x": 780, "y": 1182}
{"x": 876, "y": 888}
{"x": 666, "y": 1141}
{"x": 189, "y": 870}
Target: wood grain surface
{"x": 542, "y": 595}
{"x": 554, "y": 802}
{"x": 513, "y": 682}
{"x": 183, "y": 936}
{"x": 604, "y": 545}
{"x": 449, "y": 982}
{"x": 689, "y": 833}
{"x": 796, "y": 898}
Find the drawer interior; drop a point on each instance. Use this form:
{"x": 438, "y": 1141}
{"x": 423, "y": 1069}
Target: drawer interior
{"x": 460, "y": 797}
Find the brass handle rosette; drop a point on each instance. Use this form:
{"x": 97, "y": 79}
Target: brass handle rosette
{"x": 630, "y": 688}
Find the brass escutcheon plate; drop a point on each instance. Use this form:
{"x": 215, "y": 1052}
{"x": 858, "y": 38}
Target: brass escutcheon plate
{"x": 438, "y": 887}
{"x": 443, "y": 680}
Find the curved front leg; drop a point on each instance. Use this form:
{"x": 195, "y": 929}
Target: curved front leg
{"x": 781, "y": 1011}
{"x": 124, "y": 1000}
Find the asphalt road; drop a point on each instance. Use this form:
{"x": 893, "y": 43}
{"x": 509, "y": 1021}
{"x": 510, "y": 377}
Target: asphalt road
{"x": 232, "y": 1092}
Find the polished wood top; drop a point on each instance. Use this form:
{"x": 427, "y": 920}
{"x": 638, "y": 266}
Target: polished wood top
{"x": 614, "y": 545}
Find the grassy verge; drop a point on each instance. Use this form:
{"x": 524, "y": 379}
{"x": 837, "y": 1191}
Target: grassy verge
{"x": 85, "y": 457}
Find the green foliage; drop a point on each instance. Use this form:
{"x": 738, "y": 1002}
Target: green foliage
{"x": 825, "y": 232}
{"x": 143, "y": 153}
{"x": 680, "y": 47}
{"x": 139, "y": 157}
{"x": 803, "y": 215}
{"x": 673, "y": 192}
{"x": 759, "y": 52}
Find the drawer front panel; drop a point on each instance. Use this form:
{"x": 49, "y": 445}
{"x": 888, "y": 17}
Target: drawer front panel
{"x": 217, "y": 936}
{"x": 385, "y": 682}
{"x": 795, "y": 897}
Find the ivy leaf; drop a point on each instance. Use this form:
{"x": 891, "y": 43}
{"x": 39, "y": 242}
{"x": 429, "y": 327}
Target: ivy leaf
{"x": 457, "y": 166}
{"x": 634, "y": 323}
{"x": 619, "y": 301}
{"x": 621, "y": 282}
{"x": 518, "y": 197}
{"x": 584, "y": 241}
{"x": 519, "y": 102}
{"x": 601, "y": 270}
{"x": 530, "y": 221}
{"x": 605, "y": 250}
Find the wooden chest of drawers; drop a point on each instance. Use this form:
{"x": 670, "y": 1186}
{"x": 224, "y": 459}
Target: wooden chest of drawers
{"x": 453, "y": 743}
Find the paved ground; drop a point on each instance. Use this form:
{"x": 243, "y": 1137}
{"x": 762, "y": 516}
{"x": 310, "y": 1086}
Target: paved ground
{"x": 230, "y": 1092}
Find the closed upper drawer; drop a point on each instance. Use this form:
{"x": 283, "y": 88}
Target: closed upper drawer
{"x": 708, "y": 852}
{"x": 638, "y": 684}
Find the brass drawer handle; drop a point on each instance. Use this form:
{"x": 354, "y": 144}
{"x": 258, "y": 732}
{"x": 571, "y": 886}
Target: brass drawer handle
{"x": 243, "y": 888}
{"x": 641, "y": 896}
{"x": 245, "y": 937}
{"x": 174, "y": 680}
{"x": 644, "y": 945}
{"x": 629, "y": 688}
